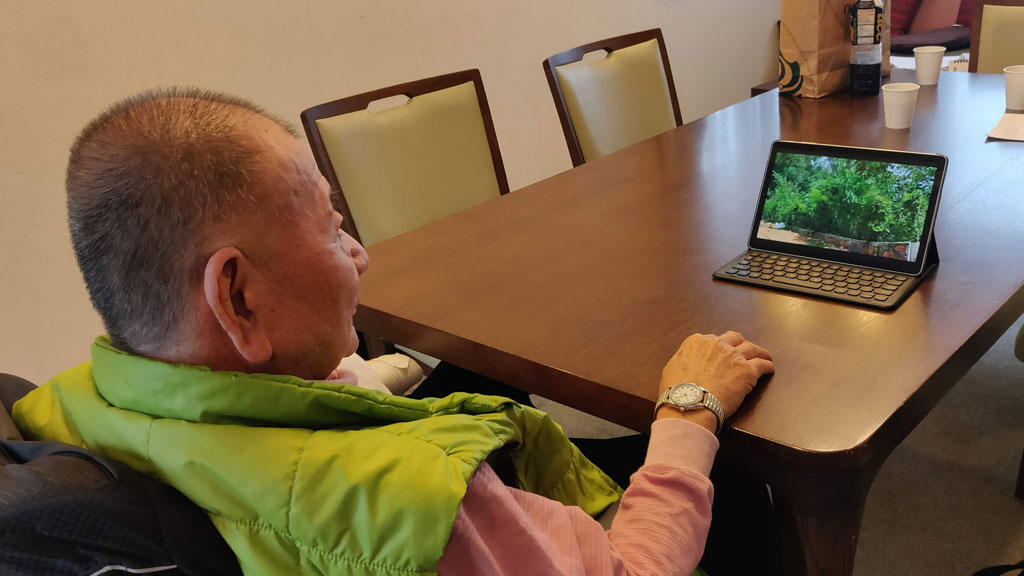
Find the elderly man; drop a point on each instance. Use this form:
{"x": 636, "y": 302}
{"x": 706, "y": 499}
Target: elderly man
{"x": 210, "y": 248}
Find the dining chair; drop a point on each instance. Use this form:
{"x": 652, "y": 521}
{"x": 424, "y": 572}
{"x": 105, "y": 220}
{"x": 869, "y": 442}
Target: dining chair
{"x": 404, "y": 166}
{"x": 625, "y": 96}
{"x": 997, "y": 35}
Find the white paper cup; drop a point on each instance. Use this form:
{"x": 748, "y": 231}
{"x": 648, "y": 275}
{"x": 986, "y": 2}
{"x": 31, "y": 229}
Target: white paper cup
{"x": 899, "y": 100}
{"x": 928, "y": 63}
{"x": 1014, "y": 87}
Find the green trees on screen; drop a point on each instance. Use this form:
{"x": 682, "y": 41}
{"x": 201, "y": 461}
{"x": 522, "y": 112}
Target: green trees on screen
{"x": 865, "y": 200}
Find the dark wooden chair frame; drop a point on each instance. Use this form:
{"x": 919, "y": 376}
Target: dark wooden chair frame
{"x": 979, "y": 9}
{"x": 362, "y": 101}
{"x": 577, "y": 54}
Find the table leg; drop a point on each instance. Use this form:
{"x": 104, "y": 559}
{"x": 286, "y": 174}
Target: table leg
{"x": 819, "y": 518}
{"x": 818, "y": 544}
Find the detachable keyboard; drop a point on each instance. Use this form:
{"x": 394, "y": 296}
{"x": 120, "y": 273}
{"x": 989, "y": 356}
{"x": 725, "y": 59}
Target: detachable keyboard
{"x": 842, "y": 282}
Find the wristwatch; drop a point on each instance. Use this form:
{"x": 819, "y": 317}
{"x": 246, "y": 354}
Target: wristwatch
{"x": 689, "y": 396}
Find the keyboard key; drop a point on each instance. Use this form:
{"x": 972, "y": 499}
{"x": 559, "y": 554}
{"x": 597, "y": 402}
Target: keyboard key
{"x": 803, "y": 261}
{"x": 827, "y": 288}
{"x": 795, "y": 282}
{"x": 790, "y": 275}
{"x": 866, "y": 296}
{"x": 890, "y": 275}
{"x": 881, "y": 298}
{"x": 840, "y": 284}
{"x": 883, "y": 292}
{"x": 840, "y": 290}
{"x": 755, "y": 274}
{"x": 828, "y": 281}
{"x": 842, "y": 272}
{"x": 731, "y": 271}
{"x": 802, "y": 277}
{"x": 814, "y": 274}
{"x": 816, "y": 269}
{"x": 844, "y": 268}
{"x": 867, "y": 290}
{"x": 853, "y": 292}
{"x": 743, "y": 273}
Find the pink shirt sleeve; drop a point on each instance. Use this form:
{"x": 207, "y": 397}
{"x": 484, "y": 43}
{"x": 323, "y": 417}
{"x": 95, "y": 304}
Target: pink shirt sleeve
{"x": 660, "y": 528}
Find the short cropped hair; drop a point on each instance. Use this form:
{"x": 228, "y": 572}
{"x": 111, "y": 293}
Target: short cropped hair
{"x": 145, "y": 182}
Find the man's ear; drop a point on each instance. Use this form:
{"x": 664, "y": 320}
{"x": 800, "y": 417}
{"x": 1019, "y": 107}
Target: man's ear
{"x": 227, "y": 285}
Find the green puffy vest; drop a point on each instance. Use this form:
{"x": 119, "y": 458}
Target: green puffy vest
{"x": 301, "y": 476}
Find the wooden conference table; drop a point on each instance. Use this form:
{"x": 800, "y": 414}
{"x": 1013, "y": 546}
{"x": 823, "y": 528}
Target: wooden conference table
{"x": 580, "y": 287}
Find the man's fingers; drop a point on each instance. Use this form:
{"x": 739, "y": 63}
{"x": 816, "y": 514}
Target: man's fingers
{"x": 750, "y": 350}
{"x": 732, "y": 338}
{"x": 762, "y": 366}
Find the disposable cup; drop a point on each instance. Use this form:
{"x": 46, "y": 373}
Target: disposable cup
{"x": 899, "y": 100}
{"x": 928, "y": 63}
{"x": 1014, "y": 87}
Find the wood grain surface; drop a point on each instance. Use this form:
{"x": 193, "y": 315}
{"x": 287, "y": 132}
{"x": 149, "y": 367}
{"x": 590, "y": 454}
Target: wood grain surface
{"x": 580, "y": 287}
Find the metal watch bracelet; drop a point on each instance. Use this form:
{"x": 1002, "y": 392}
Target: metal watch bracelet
{"x": 710, "y": 402}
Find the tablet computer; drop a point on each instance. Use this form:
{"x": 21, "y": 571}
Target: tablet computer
{"x": 844, "y": 223}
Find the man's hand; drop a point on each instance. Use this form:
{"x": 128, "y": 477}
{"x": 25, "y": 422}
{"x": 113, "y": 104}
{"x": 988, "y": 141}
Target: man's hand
{"x": 727, "y": 366}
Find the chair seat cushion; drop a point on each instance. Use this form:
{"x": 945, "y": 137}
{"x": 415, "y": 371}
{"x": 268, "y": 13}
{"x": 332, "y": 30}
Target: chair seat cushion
{"x": 952, "y": 37}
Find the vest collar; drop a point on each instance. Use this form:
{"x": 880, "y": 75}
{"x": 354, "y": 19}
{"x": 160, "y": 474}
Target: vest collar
{"x": 199, "y": 394}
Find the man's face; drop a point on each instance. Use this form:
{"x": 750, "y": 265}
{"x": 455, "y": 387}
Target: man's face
{"x": 311, "y": 266}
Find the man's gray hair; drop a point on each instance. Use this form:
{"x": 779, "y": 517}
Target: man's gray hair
{"x": 145, "y": 181}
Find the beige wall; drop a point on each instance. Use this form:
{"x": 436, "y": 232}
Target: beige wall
{"x": 62, "y": 61}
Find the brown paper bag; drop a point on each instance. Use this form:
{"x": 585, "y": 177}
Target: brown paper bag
{"x": 814, "y": 47}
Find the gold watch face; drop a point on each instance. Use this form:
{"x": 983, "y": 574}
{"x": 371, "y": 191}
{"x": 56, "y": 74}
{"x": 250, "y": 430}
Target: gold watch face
{"x": 685, "y": 395}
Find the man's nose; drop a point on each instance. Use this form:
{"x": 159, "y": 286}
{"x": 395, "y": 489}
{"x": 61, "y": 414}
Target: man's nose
{"x": 360, "y": 257}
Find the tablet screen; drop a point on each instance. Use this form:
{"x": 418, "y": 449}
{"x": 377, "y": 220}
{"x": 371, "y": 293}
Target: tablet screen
{"x": 861, "y": 206}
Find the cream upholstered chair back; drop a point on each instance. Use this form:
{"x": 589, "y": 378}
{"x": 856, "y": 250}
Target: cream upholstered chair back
{"x": 997, "y": 35}
{"x": 402, "y": 167}
{"x": 615, "y": 101}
